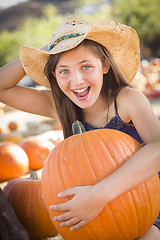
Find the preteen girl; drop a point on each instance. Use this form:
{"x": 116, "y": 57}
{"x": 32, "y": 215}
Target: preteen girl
{"x": 88, "y": 69}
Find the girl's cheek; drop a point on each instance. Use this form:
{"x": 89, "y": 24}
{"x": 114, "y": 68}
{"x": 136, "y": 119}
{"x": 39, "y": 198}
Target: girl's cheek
{"x": 63, "y": 84}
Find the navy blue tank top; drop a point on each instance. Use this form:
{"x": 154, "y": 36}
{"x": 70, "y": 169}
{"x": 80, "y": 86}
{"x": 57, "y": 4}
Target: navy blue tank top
{"x": 117, "y": 124}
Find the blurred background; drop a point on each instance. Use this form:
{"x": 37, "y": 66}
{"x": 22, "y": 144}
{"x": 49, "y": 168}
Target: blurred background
{"x": 31, "y": 22}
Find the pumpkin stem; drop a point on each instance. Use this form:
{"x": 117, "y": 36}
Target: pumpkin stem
{"x": 33, "y": 175}
{"x": 78, "y": 128}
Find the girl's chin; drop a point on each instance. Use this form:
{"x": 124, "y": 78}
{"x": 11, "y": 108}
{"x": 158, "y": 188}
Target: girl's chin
{"x": 84, "y": 104}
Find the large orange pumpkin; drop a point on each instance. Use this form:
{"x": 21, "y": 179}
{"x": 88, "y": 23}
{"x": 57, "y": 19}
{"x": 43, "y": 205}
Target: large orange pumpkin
{"x": 86, "y": 158}
{"x": 13, "y": 161}
{"x": 37, "y": 150}
{"x": 26, "y": 198}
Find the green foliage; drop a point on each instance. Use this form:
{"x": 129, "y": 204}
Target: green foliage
{"x": 9, "y": 44}
{"x": 36, "y": 32}
{"x": 86, "y": 2}
{"x": 142, "y": 15}
{"x": 33, "y": 32}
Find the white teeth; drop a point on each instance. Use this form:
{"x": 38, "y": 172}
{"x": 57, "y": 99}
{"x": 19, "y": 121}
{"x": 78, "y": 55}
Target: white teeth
{"x": 80, "y": 90}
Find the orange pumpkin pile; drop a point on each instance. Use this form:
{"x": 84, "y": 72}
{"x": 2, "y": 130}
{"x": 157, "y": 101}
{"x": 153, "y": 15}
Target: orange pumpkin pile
{"x": 14, "y": 137}
{"x": 13, "y": 161}
{"x": 37, "y": 150}
{"x": 90, "y": 157}
{"x": 12, "y": 125}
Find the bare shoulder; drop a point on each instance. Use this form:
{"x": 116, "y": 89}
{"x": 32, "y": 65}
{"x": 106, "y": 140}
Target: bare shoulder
{"x": 133, "y": 98}
{"x": 135, "y": 107}
{"x": 129, "y": 92}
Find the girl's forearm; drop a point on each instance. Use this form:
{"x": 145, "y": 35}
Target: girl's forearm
{"x": 11, "y": 74}
{"x": 140, "y": 167}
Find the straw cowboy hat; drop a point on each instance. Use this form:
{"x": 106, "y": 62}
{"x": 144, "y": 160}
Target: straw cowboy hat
{"x": 120, "y": 40}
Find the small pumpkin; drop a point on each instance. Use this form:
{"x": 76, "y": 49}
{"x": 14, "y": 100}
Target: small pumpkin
{"x": 2, "y": 130}
{"x": 25, "y": 196}
{"x": 85, "y": 159}
{"x": 13, "y": 161}
{"x": 37, "y": 150}
{"x": 12, "y": 125}
{"x": 14, "y": 137}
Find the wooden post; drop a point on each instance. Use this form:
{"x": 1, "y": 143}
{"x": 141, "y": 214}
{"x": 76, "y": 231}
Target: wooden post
{"x": 10, "y": 226}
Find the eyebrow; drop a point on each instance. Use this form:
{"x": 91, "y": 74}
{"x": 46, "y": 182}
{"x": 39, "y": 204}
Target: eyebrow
{"x": 83, "y": 61}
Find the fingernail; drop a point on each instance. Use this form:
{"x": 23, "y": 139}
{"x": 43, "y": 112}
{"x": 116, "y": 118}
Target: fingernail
{"x": 59, "y": 195}
{"x": 51, "y": 207}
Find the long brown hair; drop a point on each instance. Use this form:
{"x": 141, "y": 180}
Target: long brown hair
{"x": 67, "y": 111}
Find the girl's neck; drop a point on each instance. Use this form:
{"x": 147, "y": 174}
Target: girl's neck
{"x": 97, "y": 115}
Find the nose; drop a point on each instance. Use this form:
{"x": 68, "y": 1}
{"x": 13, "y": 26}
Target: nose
{"x": 77, "y": 78}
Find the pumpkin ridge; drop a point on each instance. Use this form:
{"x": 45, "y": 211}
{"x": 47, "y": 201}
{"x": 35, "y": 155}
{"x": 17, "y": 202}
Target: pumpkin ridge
{"x": 126, "y": 139}
{"x": 121, "y": 145}
{"x": 116, "y": 221}
{"x": 106, "y": 149}
{"x": 58, "y": 166}
{"x": 108, "y": 154}
{"x": 78, "y": 163}
{"x": 83, "y": 137}
{"x": 127, "y": 153}
{"x": 93, "y": 232}
{"x": 61, "y": 165}
{"x": 73, "y": 166}
{"x": 150, "y": 195}
{"x": 150, "y": 205}
{"x": 144, "y": 195}
{"x": 135, "y": 207}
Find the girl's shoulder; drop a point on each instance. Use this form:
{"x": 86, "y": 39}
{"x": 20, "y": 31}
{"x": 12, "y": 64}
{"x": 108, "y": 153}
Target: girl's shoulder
{"x": 131, "y": 101}
{"x": 131, "y": 96}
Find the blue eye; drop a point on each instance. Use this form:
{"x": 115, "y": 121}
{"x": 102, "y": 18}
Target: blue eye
{"x": 86, "y": 67}
{"x": 65, "y": 71}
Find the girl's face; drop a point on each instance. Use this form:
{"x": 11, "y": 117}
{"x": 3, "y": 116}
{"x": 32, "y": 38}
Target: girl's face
{"x": 79, "y": 74}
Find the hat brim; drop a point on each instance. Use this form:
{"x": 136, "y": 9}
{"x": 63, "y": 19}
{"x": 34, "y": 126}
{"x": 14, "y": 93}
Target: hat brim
{"x": 34, "y": 61}
{"x": 121, "y": 41}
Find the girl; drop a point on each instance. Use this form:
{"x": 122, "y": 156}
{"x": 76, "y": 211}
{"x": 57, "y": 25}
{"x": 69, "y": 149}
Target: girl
{"x": 87, "y": 71}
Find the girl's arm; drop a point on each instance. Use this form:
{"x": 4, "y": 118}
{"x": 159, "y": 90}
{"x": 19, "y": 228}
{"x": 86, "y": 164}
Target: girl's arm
{"x": 23, "y": 98}
{"x": 88, "y": 201}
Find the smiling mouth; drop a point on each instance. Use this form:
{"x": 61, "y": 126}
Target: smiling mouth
{"x": 82, "y": 93}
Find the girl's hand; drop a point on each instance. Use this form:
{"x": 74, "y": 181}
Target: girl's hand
{"x": 81, "y": 209}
